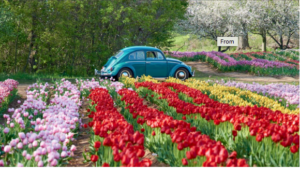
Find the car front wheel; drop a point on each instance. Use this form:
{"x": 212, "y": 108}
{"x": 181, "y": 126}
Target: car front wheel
{"x": 124, "y": 72}
{"x": 181, "y": 74}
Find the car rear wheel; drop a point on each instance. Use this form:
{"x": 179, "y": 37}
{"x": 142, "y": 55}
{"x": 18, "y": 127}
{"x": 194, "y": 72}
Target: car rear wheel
{"x": 181, "y": 74}
{"x": 124, "y": 72}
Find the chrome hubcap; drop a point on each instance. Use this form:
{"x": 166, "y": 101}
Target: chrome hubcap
{"x": 181, "y": 75}
{"x": 125, "y": 74}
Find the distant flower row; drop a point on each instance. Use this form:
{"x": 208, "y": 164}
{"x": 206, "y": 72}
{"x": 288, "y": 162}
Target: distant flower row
{"x": 226, "y": 63}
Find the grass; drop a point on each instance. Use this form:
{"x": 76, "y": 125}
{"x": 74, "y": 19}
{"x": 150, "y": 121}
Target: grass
{"x": 185, "y": 43}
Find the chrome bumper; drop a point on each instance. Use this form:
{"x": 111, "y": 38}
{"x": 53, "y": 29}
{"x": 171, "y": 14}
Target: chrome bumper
{"x": 193, "y": 73}
{"x": 101, "y": 73}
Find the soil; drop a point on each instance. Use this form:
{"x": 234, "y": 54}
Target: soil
{"x": 82, "y": 141}
{"x": 207, "y": 69}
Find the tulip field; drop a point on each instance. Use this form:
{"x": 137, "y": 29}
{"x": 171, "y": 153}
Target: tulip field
{"x": 257, "y": 63}
{"x": 188, "y": 123}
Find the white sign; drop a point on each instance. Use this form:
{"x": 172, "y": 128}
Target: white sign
{"x": 227, "y": 41}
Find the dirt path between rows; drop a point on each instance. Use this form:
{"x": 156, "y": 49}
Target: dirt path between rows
{"x": 206, "y": 68}
{"x": 82, "y": 141}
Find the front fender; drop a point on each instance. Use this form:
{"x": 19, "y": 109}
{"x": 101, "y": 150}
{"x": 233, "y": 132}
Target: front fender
{"x": 172, "y": 72}
{"x": 120, "y": 66}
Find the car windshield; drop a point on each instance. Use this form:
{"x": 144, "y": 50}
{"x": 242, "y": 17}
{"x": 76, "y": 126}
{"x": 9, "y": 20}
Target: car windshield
{"x": 118, "y": 54}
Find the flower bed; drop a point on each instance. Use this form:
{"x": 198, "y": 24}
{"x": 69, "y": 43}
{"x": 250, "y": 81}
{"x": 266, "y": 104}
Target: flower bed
{"x": 121, "y": 145}
{"x": 286, "y": 94}
{"x": 212, "y": 114}
{"x": 179, "y": 144}
{"x": 8, "y": 91}
{"x": 224, "y": 62}
{"x": 41, "y": 134}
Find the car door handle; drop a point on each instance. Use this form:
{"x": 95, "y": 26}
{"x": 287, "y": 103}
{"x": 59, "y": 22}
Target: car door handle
{"x": 148, "y": 62}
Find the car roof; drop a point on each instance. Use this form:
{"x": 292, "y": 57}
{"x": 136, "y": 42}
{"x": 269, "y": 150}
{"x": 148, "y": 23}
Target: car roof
{"x": 134, "y": 48}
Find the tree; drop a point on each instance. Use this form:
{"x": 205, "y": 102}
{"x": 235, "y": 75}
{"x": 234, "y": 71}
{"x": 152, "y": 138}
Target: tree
{"x": 284, "y": 16}
{"x": 72, "y": 37}
{"x": 208, "y": 19}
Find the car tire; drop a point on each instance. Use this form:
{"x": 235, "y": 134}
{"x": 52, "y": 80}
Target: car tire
{"x": 181, "y": 74}
{"x": 124, "y": 71}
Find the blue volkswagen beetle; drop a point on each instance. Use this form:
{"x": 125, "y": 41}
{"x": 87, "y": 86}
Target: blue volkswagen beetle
{"x": 143, "y": 60}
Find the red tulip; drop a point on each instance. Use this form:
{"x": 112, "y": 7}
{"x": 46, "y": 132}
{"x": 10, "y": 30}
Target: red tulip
{"x": 105, "y": 165}
{"x": 184, "y": 161}
{"x": 88, "y": 110}
{"x": 91, "y": 124}
{"x": 259, "y": 137}
{"x": 294, "y": 149}
{"x": 85, "y": 125}
{"x": 94, "y": 158}
{"x": 276, "y": 137}
{"x": 184, "y": 118}
{"x": 233, "y": 154}
{"x": 153, "y": 133}
{"x": 234, "y": 133}
{"x": 140, "y": 153}
{"x": 97, "y": 144}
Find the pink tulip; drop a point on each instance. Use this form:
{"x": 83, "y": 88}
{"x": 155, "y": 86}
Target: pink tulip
{"x": 20, "y": 145}
{"x": 26, "y": 114}
{"x": 35, "y": 143}
{"x": 40, "y": 164}
{"x": 54, "y": 162}
{"x": 12, "y": 125}
{"x": 19, "y": 101}
{"x": 37, "y": 158}
{"x": 6, "y": 130}
{"x": 29, "y": 145}
{"x": 73, "y": 148}
{"x": 1, "y": 163}
{"x": 25, "y": 141}
{"x": 20, "y": 165}
{"x": 7, "y": 148}
{"x": 28, "y": 156}
{"x": 24, "y": 153}
{"x": 64, "y": 154}
{"x": 43, "y": 144}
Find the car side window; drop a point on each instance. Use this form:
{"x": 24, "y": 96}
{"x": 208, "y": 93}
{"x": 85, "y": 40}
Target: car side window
{"x": 132, "y": 56}
{"x": 160, "y": 56}
{"x": 151, "y": 56}
{"x": 140, "y": 55}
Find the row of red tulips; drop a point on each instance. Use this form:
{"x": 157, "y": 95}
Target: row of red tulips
{"x": 219, "y": 112}
{"x": 121, "y": 145}
{"x": 188, "y": 141}
{"x": 260, "y": 152}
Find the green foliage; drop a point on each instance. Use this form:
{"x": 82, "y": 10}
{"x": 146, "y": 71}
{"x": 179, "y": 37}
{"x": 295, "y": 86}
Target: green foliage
{"x": 75, "y": 37}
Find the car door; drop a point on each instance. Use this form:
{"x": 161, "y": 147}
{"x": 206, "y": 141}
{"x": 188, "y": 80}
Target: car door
{"x": 156, "y": 64}
{"x": 137, "y": 60}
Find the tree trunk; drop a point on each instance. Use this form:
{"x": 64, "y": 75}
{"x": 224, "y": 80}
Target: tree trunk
{"x": 264, "y": 42}
{"x": 243, "y": 43}
{"x": 281, "y": 42}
